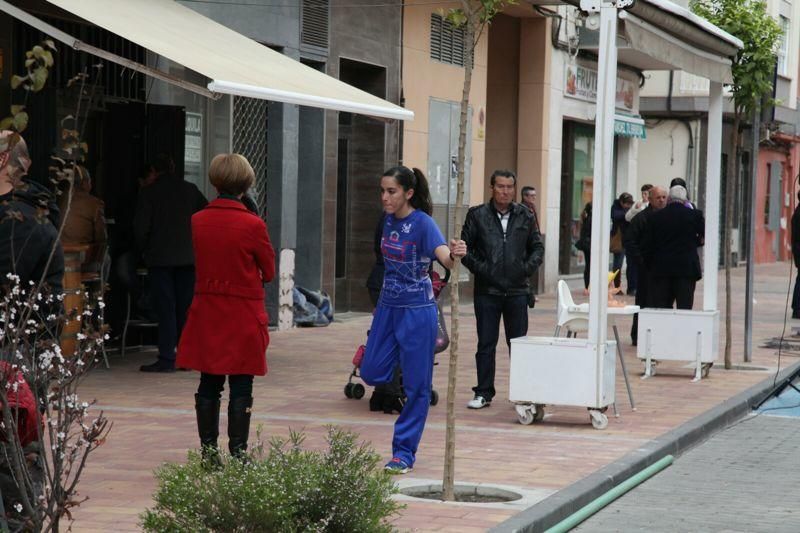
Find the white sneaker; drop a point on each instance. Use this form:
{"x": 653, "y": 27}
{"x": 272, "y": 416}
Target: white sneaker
{"x": 478, "y": 402}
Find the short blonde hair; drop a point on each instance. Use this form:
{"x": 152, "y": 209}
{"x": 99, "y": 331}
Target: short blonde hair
{"x": 231, "y": 174}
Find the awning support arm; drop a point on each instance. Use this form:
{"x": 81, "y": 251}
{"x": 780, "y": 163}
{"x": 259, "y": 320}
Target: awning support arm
{"x": 77, "y": 44}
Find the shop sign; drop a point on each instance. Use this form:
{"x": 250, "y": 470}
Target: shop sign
{"x": 193, "y": 148}
{"x": 624, "y": 128}
{"x": 581, "y": 83}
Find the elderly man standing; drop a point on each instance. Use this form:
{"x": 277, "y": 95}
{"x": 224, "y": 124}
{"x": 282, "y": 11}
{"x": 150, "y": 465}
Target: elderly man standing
{"x": 634, "y": 241}
{"x": 672, "y": 238}
{"x": 163, "y": 230}
{"x": 504, "y": 250}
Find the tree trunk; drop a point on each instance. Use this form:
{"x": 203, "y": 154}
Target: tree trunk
{"x": 448, "y": 482}
{"x": 732, "y": 171}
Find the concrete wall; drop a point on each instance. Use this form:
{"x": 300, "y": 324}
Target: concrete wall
{"x": 424, "y": 78}
{"x": 668, "y": 154}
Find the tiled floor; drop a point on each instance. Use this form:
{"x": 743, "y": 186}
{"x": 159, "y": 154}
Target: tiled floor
{"x": 153, "y": 415}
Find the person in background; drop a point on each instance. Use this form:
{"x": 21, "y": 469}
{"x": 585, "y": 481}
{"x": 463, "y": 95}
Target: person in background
{"x": 529, "y": 201}
{"x": 85, "y": 222}
{"x": 584, "y": 242}
{"x": 226, "y": 333}
{"x": 680, "y": 182}
{"x": 28, "y": 221}
{"x": 618, "y": 227}
{"x": 504, "y": 251}
{"x": 670, "y": 251}
{"x": 405, "y": 322}
{"x": 632, "y": 267}
{"x": 634, "y": 240}
{"x": 163, "y": 232}
{"x": 796, "y": 256}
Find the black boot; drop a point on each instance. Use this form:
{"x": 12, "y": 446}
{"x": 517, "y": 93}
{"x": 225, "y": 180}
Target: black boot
{"x": 239, "y": 424}
{"x": 207, "y": 412}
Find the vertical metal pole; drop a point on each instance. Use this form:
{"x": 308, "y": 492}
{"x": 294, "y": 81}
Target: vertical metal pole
{"x": 751, "y": 239}
{"x": 713, "y": 163}
{"x": 603, "y": 172}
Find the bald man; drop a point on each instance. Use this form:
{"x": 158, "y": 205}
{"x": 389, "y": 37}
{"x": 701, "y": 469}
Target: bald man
{"x": 634, "y": 240}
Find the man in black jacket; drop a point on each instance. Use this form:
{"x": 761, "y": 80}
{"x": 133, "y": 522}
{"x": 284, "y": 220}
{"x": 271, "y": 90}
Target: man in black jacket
{"x": 796, "y": 256}
{"x": 633, "y": 241}
{"x": 504, "y": 250}
{"x": 162, "y": 227}
{"x": 670, "y": 252}
{"x": 28, "y": 220}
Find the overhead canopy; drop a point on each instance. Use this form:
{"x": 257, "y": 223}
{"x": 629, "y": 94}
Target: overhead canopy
{"x": 235, "y": 64}
{"x": 661, "y": 35}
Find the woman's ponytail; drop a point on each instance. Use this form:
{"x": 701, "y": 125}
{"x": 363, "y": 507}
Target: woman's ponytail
{"x": 422, "y": 193}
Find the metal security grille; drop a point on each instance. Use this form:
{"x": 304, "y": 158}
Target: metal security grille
{"x": 447, "y": 41}
{"x": 314, "y": 26}
{"x": 250, "y": 140}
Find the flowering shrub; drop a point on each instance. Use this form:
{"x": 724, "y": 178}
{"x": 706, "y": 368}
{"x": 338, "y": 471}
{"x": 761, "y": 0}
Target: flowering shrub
{"x": 280, "y": 487}
{"x": 47, "y": 431}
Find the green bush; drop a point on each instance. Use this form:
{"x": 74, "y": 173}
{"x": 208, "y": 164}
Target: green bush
{"x": 281, "y": 487}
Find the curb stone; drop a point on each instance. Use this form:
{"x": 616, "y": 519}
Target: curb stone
{"x": 563, "y": 503}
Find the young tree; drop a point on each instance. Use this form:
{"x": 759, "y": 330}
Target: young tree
{"x": 473, "y": 16}
{"x": 752, "y": 70}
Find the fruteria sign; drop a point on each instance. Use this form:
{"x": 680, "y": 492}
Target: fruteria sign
{"x": 581, "y": 83}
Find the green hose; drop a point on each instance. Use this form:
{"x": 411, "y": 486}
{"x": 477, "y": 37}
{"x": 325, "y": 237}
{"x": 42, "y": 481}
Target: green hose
{"x": 592, "y": 507}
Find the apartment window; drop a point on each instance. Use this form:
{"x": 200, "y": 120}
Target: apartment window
{"x": 783, "y": 49}
{"x": 447, "y": 41}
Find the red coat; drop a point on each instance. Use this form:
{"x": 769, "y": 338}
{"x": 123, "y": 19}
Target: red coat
{"x": 226, "y": 329}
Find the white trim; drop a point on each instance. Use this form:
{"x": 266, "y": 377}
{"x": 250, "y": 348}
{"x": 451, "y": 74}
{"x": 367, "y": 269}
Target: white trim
{"x": 252, "y": 91}
{"x": 669, "y": 7}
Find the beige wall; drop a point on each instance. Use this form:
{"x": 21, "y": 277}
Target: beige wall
{"x": 424, "y": 78}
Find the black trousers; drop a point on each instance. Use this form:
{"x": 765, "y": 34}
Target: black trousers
{"x": 668, "y": 291}
{"x": 796, "y": 295}
{"x": 488, "y": 311}
{"x": 172, "y": 291}
{"x": 587, "y": 264}
{"x": 642, "y": 296}
{"x": 211, "y": 386}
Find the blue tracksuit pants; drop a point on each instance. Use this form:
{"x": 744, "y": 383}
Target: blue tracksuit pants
{"x": 406, "y": 335}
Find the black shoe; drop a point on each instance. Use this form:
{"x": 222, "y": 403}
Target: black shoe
{"x": 158, "y": 366}
{"x": 239, "y": 424}
{"x": 634, "y": 342}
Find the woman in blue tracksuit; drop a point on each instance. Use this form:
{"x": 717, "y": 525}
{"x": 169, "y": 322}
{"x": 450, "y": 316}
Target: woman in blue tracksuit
{"x": 404, "y": 326}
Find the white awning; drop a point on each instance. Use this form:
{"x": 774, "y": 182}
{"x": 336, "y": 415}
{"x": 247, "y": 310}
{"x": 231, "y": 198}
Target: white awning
{"x": 235, "y": 64}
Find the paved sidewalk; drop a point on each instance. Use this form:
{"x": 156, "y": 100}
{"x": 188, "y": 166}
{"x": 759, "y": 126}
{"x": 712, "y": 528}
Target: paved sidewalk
{"x": 154, "y": 418}
{"x": 742, "y": 479}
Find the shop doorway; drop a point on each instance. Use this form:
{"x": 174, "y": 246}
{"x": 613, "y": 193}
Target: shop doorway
{"x": 577, "y": 186}
{"x": 361, "y": 154}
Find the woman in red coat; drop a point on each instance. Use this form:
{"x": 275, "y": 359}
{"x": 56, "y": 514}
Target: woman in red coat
{"x": 226, "y": 329}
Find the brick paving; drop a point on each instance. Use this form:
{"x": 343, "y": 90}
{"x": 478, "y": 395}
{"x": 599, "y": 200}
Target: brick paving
{"x": 153, "y": 415}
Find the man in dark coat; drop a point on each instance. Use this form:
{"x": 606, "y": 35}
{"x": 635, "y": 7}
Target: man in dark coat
{"x": 504, "y": 250}
{"x": 163, "y": 232}
{"x": 796, "y": 256}
{"x": 634, "y": 240}
{"x": 28, "y": 221}
{"x": 670, "y": 251}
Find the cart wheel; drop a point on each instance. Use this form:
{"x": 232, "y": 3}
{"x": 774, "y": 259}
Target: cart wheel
{"x": 539, "y": 414}
{"x": 358, "y": 391}
{"x": 434, "y": 397}
{"x": 527, "y": 417}
{"x": 599, "y": 420}
{"x": 348, "y": 390}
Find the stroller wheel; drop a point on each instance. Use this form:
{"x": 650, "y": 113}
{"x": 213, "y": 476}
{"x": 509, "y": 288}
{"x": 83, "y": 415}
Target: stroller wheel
{"x": 434, "y": 397}
{"x": 348, "y": 390}
{"x": 358, "y": 391}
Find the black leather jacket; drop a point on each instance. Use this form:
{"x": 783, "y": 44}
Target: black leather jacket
{"x": 502, "y": 265}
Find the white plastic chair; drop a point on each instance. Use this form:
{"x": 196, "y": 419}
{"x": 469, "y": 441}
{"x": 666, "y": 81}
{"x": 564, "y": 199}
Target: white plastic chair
{"x": 573, "y": 322}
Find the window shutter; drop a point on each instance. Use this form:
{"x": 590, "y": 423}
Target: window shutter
{"x": 314, "y": 24}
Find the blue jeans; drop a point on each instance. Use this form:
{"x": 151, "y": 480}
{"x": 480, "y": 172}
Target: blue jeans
{"x": 172, "y": 289}
{"x": 407, "y": 336}
{"x": 488, "y": 311}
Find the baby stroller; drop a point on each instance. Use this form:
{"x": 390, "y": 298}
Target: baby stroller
{"x": 390, "y": 397}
